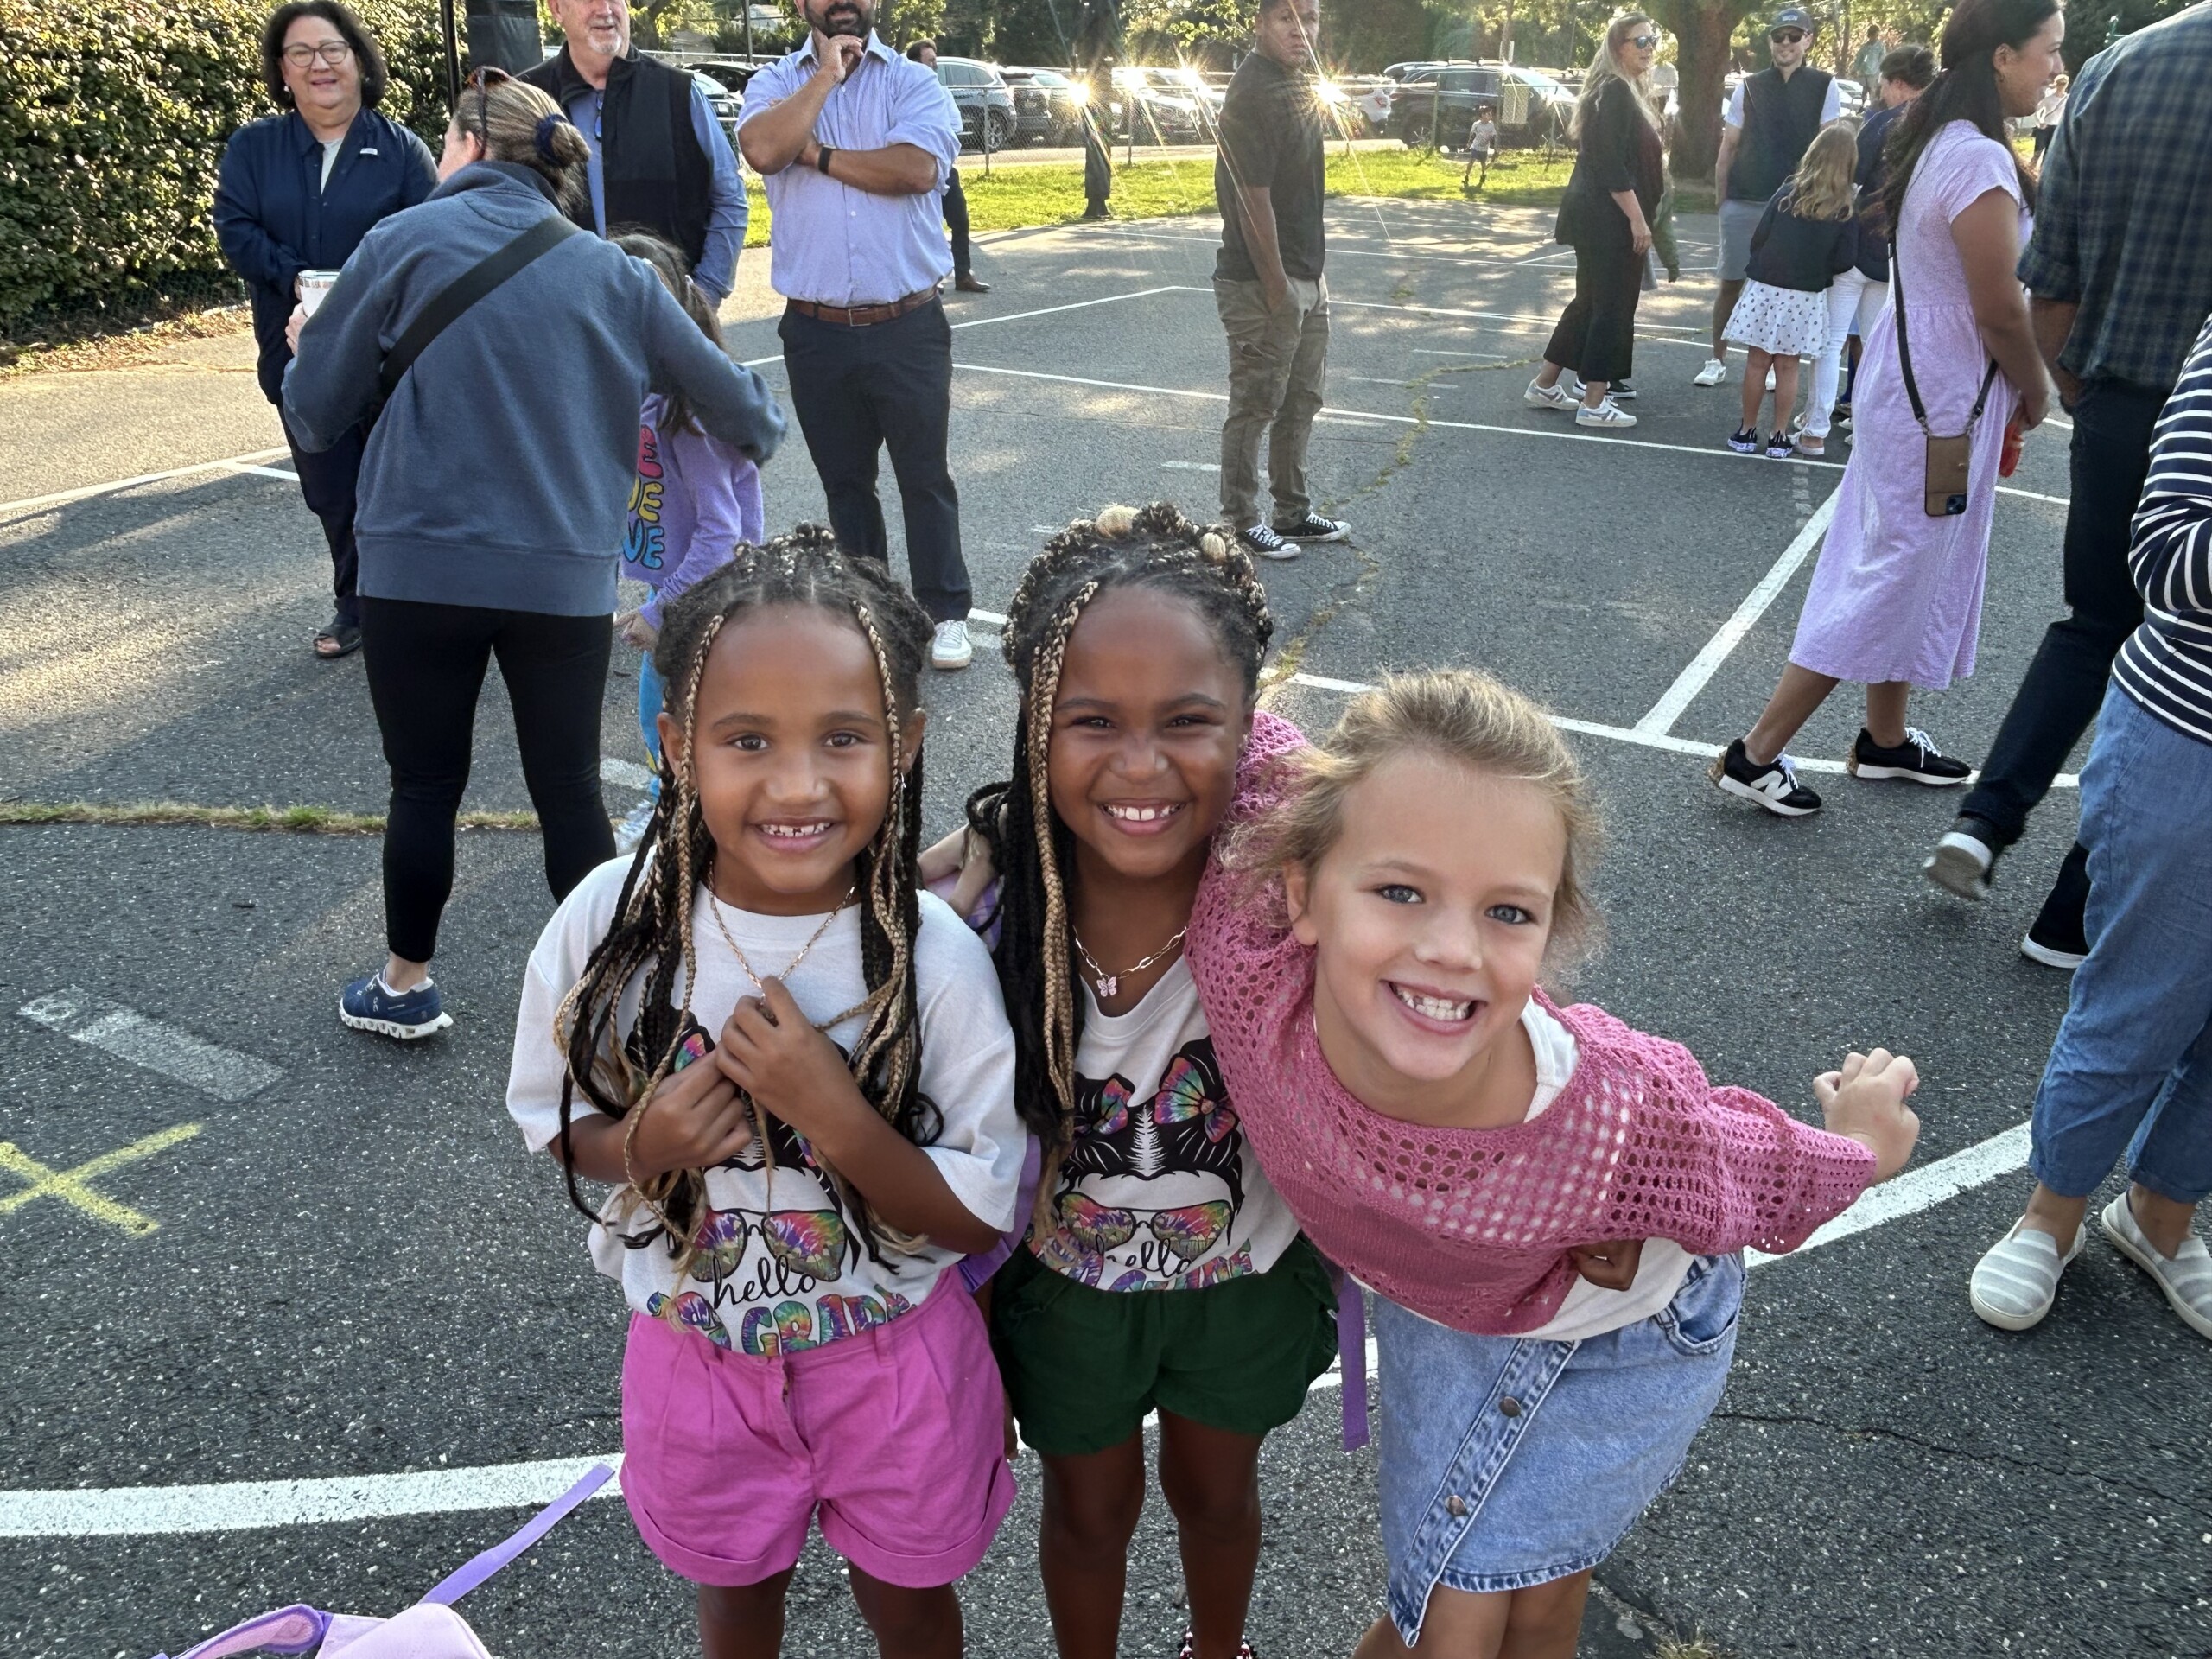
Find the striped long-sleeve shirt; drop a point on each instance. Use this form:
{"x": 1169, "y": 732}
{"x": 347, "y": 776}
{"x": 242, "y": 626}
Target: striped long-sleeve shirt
{"x": 2166, "y": 665}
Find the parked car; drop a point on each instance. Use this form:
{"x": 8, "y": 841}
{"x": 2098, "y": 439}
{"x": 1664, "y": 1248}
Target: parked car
{"x": 724, "y": 103}
{"x": 1366, "y": 102}
{"x": 985, "y": 102}
{"x": 1435, "y": 106}
{"x": 1158, "y": 106}
{"x": 1047, "y": 104}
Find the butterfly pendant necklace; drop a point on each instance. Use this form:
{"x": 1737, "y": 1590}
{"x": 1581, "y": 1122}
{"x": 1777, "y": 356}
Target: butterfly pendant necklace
{"x": 1109, "y": 983}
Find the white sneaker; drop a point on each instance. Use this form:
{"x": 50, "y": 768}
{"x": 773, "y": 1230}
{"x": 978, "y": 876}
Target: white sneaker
{"x": 951, "y": 648}
{"x": 2014, "y": 1285}
{"x": 2184, "y": 1276}
{"x": 632, "y": 829}
{"x": 1571, "y": 383}
{"x": 1607, "y": 414}
{"x": 1961, "y": 864}
{"x": 1711, "y": 374}
{"x": 1553, "y": 397}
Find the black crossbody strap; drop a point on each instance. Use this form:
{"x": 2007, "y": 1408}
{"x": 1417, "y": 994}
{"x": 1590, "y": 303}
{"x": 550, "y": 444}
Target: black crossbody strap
{"x": 1905, "y": 353}
{"x": 466, "y": 289}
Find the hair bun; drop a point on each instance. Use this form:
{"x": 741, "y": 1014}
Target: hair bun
{"x": 1215, "y": 546}
{"x": 548, "y": 126}
{"x": 1115, "y": 523}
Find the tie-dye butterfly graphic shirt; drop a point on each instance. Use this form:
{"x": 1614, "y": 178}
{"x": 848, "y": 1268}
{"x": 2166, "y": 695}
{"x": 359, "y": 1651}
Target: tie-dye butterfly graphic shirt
{"x": 1159, "y": 1190}
{"x": 782, "y": 1267}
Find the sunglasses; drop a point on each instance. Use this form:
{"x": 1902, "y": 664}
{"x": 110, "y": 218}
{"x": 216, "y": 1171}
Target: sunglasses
{"x": 481, "y": 80}
{"x": 1787, "y": 37}
{"x": 1643, "y": 42}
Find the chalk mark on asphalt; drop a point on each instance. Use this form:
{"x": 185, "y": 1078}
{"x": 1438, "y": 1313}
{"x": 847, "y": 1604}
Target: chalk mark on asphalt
{"x": 157, "y": 1046}
{"x": 75, "y": 1186}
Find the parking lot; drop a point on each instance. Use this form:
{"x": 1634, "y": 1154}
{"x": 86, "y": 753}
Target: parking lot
{"x": 293, "y": 1317}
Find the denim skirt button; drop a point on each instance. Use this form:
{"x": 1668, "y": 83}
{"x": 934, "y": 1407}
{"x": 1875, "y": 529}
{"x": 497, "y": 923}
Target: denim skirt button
{"x": 1509, "y": 1406}
{"x": 1455, "y": 1506}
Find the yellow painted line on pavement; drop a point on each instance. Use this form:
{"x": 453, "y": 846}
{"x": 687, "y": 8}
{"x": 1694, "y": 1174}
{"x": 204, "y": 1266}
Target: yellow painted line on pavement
{"x": 73, "y": 1186}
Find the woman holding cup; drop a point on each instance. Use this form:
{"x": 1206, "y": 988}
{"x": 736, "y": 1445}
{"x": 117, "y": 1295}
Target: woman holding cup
{"x": 296, "y": 193}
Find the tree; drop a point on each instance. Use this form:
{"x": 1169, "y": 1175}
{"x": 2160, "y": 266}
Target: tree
{"x": 1702, "y": 29}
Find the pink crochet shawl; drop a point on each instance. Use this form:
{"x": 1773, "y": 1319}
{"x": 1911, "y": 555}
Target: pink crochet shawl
{"x": 1471, "y": 1227}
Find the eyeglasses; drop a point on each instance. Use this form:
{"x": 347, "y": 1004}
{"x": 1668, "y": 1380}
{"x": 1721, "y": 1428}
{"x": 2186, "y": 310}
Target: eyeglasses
{"x": 1787, "y": 37}
{"x": 481, "y": 80}
{"x": 1643, "y": 42}
{"x": 332, "y": 53}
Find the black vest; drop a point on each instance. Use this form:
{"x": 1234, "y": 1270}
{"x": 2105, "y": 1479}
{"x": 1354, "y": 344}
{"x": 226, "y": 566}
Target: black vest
{"x": 653, "y": 172}
{"x": 1780, "y": 118}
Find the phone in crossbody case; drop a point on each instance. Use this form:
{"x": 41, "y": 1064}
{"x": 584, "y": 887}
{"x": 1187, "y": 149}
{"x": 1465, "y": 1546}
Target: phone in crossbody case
{"x": 1950, "y": 460}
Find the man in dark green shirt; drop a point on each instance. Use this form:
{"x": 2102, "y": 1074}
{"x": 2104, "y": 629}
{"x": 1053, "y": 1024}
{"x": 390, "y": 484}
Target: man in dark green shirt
{"x": 1267, "y": 281}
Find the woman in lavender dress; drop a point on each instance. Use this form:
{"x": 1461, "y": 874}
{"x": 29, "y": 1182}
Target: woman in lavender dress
{"x": 1896, "y": 601}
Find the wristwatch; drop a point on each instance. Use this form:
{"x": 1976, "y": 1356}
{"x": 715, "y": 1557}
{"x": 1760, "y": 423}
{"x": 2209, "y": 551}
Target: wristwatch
{"x": 822, "y": 154}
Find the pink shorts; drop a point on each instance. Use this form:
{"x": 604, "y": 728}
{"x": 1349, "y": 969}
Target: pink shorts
{"x": 893, "y": 1436}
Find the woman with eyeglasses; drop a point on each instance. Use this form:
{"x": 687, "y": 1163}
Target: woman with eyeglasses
{"x": 494, "y": 493}
{"x": 1611, "y": 201}
{"x": 297, "y": 193}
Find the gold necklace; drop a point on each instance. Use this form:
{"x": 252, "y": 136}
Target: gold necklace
{"x": 736, "y": 950}
{"x": 1109, "y": 983}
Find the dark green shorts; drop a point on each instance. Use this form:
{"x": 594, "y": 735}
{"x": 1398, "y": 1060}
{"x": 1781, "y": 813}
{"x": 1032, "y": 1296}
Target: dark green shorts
{"x": 1083, "y": 1367}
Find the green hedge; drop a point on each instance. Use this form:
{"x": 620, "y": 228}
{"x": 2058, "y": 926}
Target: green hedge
{"x": 113, "y": 114}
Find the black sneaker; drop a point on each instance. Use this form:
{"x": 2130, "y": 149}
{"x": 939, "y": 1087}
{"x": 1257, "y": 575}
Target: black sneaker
{"x": 1778, "y": 447}
{"x": 2059, "y": 938}
{"x": 1916, "y": 759}
{"x": 1746, "y": 442}
{"x": 1314, "y": 528}
{"x": 1774, "y": 786}
{"x": 1621, "y": 392}
{"x": 1264, "y": 542}
{"x": 1963, "y": 859}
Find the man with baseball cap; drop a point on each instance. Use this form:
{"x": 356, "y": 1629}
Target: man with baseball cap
{"x": 1770, "y": 119}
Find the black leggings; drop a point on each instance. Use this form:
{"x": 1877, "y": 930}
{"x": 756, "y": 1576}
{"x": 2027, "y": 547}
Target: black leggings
{"x": 426, "y": 665}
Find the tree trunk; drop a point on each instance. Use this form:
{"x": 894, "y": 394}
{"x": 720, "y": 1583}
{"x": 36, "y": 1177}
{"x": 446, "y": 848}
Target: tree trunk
{"x": 1701, "y": 30}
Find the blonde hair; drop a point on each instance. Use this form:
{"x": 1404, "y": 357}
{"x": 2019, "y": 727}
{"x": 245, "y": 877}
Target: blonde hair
{"x": 1824, "y": 187}
{"x": 1605, "y": 67}
{"x": 1457, "y": 714}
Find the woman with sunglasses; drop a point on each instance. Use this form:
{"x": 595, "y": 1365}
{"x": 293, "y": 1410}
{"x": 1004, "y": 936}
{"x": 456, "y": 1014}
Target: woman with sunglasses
{"x": 1611, "y": 199}
{"x": 297, "y": 192}
{"x": 492, "y": 495}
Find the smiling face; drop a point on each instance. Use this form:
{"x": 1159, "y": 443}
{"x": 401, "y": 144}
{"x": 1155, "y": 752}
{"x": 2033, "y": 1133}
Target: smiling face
{"x": 328, "y": 93}
{"x": 2023, "y": 73}
{"x": 1428, "y": 916}
{"x": 1147, "y": 729}
{"x": 794, "y": 757}
{"x": 1787, "y": 46}
{"x": 598, "y": 31}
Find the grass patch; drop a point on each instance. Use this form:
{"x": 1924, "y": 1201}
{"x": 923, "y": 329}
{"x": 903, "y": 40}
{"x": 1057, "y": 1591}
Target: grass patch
{"x": 279, "y": 820}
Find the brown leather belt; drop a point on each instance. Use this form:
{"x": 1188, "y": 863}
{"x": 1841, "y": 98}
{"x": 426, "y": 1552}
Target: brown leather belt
{"x": 863, "y": 316}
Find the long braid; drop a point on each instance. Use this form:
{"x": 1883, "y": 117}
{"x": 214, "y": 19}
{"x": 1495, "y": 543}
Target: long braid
{"x": 1155, "y": 547}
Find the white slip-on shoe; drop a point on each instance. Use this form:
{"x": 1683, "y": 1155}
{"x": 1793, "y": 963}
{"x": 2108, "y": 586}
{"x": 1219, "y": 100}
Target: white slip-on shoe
{"x": 2014, "y": 1285}
{"x": 1711, "y": 374}
{"x": 951, "y": 648}
{"x": 1555, "y": 396}
{"x": 1961, "y": 861}
{"x": 2184, "y": 1276}
{"x": 1607, "y": 414}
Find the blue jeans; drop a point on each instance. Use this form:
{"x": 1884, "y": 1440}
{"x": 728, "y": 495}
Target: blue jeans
{"x": 2132, "y": 1069}
{"x": 649, "y": 703}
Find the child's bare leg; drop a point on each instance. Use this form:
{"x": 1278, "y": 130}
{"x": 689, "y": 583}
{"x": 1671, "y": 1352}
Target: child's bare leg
{"x": 1210, "y": 1479}
{"x": 1755, "y": 366}
{"x": 1545, "y": 1621}
{"x": 909, "y": 1624}
{"x": 1458, "y": 1624}
{"x": 1091, "y": 1505}
{"x": 743, "y": 1621}
{"x": 1885, "y": 705}
{"x": 1785, "y": 389}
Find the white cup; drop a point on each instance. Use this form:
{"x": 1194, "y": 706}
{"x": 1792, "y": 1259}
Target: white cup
{"x": 313, "y": 284}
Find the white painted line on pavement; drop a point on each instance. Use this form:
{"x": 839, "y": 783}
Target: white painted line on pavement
{"x": 1662, "y": 714}
{"x": 1017, "y": 316}
{"x": 263, "y": 471}
{"x": 1190, "y": 466}
{"x": 625, "y": 774}
{"x": 128, "y": 1035}
{"x": 63, "y": 497}
{"x": 988, "y": 618}
{"x": 1919, "y": 1189}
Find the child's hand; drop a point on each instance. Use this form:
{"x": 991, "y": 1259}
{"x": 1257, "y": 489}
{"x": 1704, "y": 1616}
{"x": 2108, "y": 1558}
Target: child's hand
{"x": 772, "y": 1050}
{"x": 964, "y": 854}
{"x": 1866, "y": 1101}
{"x": 694, "y": 1120}
{"x": 636, "y": 631}
{"x": 1610, "y": 1266}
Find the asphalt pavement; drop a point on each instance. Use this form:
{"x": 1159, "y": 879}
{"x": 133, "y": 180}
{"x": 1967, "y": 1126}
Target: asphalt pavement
{"x": 251, "y": 1252}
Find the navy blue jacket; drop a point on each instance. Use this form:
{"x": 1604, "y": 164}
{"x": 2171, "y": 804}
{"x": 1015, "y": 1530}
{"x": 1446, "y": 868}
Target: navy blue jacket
{"x": 498, "y": 475}
{"x": 275, "y": 220}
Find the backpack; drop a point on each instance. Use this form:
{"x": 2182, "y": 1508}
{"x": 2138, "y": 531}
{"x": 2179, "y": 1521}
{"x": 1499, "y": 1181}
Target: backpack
{"x": 429, "y": 1630}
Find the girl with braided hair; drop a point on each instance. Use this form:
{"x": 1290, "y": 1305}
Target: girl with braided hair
{"x": 1161, "y": 1271}
{"x": 796, "y": 1072}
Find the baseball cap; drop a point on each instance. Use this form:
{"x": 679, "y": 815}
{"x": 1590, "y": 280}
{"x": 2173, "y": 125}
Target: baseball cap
{"x": 1792, "y": 17}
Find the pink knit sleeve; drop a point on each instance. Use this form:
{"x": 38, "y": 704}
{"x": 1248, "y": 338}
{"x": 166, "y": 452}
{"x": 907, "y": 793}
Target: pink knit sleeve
{"x": 1716, "y": 1169}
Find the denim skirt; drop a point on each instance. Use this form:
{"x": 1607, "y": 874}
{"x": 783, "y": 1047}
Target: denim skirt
{"x": 1508, "y": 1462}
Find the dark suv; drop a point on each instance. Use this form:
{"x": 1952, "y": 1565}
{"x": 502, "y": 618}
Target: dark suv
{"x": 986, "y": 106}
{"x": 1436, "y": 104}
{"x": 1047, "y": 104}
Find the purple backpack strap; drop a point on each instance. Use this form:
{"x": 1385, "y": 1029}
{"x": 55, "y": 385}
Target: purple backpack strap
{"x": 976, "y": 1270}
{"x": 1351, "y": 1356}
{"x": 289, "y": 1630}
{"x": 459, "y": 1583}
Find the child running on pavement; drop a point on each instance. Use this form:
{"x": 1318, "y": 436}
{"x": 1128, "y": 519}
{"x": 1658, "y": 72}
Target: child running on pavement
{"x": 695, "y": 501}
{"x": 1475, "y": 1152}
{"x": 796, "y": 1073}
{"x": 1162, "y": 1271}
{"x": 1807, "y": 238}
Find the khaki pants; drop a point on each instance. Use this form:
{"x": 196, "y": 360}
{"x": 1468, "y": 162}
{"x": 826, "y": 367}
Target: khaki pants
{"x": 1275, "y": 363}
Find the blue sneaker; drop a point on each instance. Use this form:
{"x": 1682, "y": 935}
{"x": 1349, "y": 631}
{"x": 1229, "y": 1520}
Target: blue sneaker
{"x": 365, "y": 1005}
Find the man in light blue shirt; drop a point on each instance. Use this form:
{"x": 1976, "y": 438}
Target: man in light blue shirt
{"x": 659, "y": 159}
{"x": 853, "y": 143}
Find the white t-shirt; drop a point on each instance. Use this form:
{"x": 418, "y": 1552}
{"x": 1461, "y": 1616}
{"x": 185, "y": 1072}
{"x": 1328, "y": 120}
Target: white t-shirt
{"x": 787, "y": 1268}
{"x": 330, "y": 149}
{"x": 1160, "y": 1189}
{"x": 1830, "y": 106}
